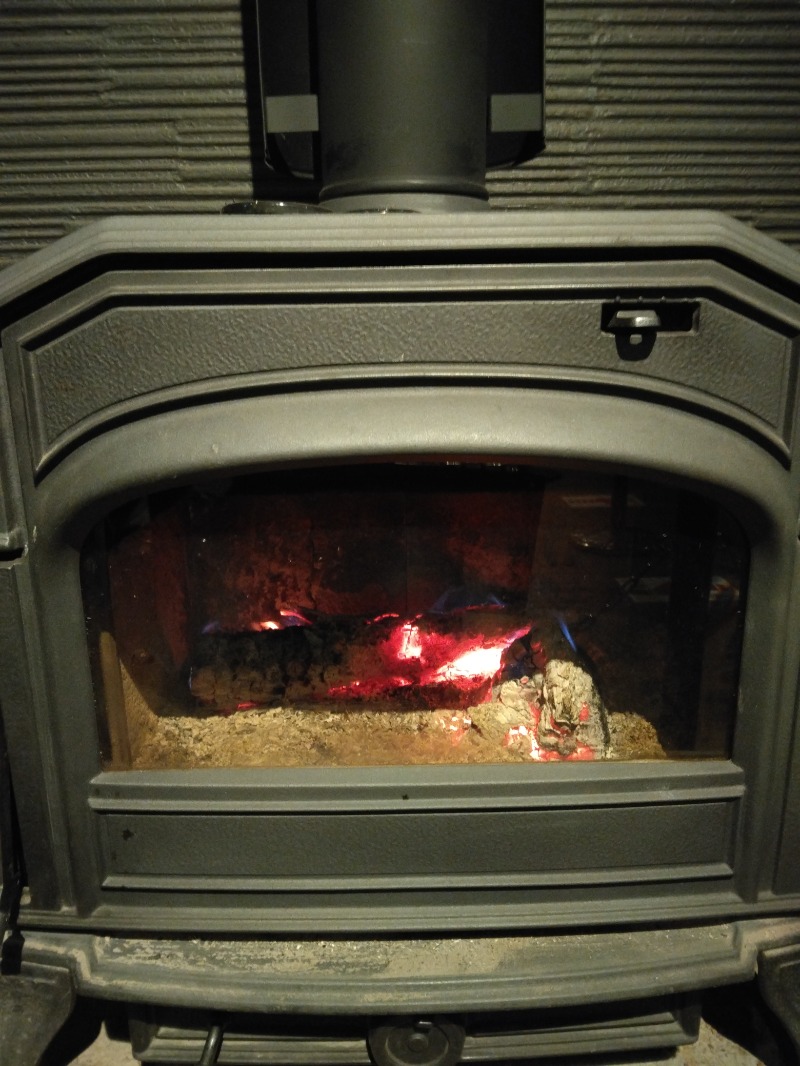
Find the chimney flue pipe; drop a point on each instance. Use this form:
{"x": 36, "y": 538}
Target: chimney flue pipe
{"x": 402, "y": 103}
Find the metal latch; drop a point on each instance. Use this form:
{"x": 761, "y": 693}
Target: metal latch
{"x": 636, "y": 324}
{"x": 647, "y": 316}
{"x": 634, "y": 321}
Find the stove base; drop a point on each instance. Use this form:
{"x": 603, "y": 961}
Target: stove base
{"x": 164, "y": 1036}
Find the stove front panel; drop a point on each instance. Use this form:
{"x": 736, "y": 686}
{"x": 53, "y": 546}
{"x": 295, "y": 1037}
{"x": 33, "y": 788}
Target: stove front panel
{"x": 600, "y": 532}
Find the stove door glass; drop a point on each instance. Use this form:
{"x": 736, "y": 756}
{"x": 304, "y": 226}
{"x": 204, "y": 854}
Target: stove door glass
{"x": 421, "y": 613}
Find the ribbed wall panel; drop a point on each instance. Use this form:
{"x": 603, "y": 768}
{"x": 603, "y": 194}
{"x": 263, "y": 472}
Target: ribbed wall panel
{"x": 112, "y": 107}
{"x": 671, "y": 104}
{"x": 140, "y": 106}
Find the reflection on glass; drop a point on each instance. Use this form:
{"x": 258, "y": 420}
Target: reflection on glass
{"x": 405, "y": 614}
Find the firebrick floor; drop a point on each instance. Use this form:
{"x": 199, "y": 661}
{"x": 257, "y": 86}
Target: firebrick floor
{"x": 712, "y": 1049}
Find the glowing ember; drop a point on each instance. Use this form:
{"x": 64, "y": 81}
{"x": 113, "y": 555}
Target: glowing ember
{"x": 417, "y": 653}
{"x": 526, "y": 735}
{"x": 457, "y": 725}
{"x": 369, "y": 688}
{"x": 475, "y": 663}
{"x": 287, "y": 617}
{"x": 411, "y": 645}
{"x": 514, "y": 732}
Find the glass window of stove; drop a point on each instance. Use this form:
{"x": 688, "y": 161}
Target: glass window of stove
{"x": 415, "y": 613}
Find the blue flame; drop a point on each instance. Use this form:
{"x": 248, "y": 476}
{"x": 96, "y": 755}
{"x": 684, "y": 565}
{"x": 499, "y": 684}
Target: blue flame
{"x": 562, "y": 625}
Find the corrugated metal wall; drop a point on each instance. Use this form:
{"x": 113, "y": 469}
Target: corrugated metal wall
{"x": 110, "y": 106}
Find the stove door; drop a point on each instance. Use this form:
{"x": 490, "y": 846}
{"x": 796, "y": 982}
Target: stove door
{"x": 402, "y": 614}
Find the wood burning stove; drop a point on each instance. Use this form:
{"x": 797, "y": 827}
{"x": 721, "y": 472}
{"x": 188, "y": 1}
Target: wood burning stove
{"x": 397, "y": 622}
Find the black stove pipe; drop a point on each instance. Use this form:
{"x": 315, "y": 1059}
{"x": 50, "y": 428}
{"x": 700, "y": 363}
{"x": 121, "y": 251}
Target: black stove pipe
{"x": 402, "y": 91}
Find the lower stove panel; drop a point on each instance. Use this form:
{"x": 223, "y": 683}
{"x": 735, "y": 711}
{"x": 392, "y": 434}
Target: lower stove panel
{"x": 162, "y": 1036}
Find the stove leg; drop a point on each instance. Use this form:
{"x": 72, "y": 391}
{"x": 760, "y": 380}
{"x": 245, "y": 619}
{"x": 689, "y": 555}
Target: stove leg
{"x": 779, "y": 981}
{"x": 32, "y": 1010}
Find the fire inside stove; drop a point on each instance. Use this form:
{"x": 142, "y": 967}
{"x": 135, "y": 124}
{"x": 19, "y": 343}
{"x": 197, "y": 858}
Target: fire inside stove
{"x": 428, "y": 613}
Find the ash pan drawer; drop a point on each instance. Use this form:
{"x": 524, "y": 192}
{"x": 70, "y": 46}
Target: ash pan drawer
{"x": 264, "y": 852}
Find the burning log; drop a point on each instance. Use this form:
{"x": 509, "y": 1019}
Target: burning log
{"x": 428, "y": 661}
{"x": 572, "y": 714}
{"x": 555, "y": 714}
{"x": 264, "y": 668}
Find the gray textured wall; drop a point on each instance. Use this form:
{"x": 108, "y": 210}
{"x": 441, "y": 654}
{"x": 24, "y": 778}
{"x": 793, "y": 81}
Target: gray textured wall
{"x": 140, "y": 106}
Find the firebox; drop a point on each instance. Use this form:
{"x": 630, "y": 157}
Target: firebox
{"x": 414, "y": 614}
{"x": 397, "y": 616}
